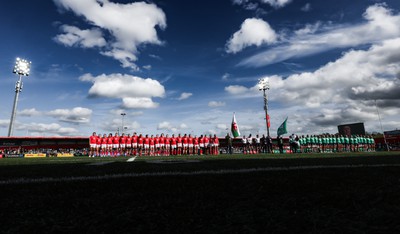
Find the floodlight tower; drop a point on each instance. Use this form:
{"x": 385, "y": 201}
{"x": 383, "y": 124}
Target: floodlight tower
{"x": 22, "y": 68}
{"x": 263, "y": 84}
{"x": 123, "y": 116}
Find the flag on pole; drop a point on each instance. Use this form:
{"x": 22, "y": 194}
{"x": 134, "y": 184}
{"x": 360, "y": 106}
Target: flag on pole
{"x": 268, "y": 121}
{"x": 282, "y": 129}
{"x": 235, "y": 128}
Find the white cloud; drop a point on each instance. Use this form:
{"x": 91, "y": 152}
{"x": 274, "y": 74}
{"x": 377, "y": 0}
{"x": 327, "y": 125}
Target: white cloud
{"x": 308, "y": 29}
{"x": 216, "y": 104}
{"x": 222, "y": 126}
{"x": 75, "y": 115}
{"x": 73, "y": 36}
{"x": 138, "y": 103}
{"x": 225, "y": 76}
{"x": 185, "y": 96}
{"x": 112, "y": 18}
{"x": 277, "y": 3}
{"x": 165, "y": 126}
{"x": 381, "y": 24}
{"x": 137, "y": 113}
{"x": 51, "y": 129}
{"x": 147, "y": 67}
{"x": 342, "y": 91}
{"x": 4, "y": 123}
{"x": 253, "y": 5}
{"x": 170, "y": 127}
{"x": 306, "y": 8}
{"x": 29, "y": 112}
{"x": 116, "y": 125}
{"x": 240, "y": 90}
{"x": 236, "y": 89}
{"x": 134, "y": 91}
{"x": 252, "y": 32}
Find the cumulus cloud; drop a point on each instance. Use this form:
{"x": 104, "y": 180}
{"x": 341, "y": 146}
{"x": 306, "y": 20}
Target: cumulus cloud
{"x": 75, "y": 115}
{"x": 134, "y": 91}
{"x": 41, "y": 128}
{"x": 125, "y": 38}
{"x": 381, "y": 24}
{"x": 216, "y": 104}
{"x": 344, "y": 90}
{"x": 170, "y": 127}
{"x": 277, "y": 3}
{"x": 236, "y": 89}
{"x": 138, "y": 103}
{"x": 4, "y": 123}
{"x": 115, "y": 125}
{"x": 240, "y": 90}
{"x": 254, "y": 4}
{"x": 252, "y": 32}
{"x": 222, "y": 126}
{"x": 73, "y": 36}
{"x": 185, "y": 96}
{"x": 29, "y": 112}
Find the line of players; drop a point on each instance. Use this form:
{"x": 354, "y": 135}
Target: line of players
{"x": 145, "y": 145}
{"x": 334, "y": 143}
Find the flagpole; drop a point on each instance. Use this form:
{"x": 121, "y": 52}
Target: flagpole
{"x": 263, "y": 85}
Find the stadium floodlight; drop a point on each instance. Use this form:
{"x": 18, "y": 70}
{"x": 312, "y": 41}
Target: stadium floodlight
{"x": 122, "y": 127}
{"x": 263, "y": 85}
{"x": 22, "y": 68}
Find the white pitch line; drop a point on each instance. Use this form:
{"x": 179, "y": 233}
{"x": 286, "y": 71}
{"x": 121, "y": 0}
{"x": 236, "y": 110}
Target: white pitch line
{"x": 131, "y": 159}
{"x": 99, "y": 163}
{"x": 190, "y": 173}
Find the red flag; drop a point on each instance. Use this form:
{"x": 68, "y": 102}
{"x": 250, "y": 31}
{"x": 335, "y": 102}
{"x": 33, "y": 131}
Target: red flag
{"x": 268, "y": 122}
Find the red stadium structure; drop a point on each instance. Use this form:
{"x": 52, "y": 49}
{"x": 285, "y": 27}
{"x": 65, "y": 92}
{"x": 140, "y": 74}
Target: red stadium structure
{"x": 19, "y": 145}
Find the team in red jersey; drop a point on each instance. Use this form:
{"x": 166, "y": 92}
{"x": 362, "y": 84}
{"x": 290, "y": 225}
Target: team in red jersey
{"x": 144, "y": 145}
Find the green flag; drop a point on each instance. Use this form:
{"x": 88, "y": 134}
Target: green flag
{"x": 235, "y": 127}
{"x": 282, "y": 129}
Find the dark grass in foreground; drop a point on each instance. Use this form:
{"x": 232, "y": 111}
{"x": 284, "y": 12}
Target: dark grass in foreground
{"x": 348, "y": 200}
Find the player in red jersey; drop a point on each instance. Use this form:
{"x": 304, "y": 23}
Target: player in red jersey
{"x": 109, "y": 144}
{"x": 185, "y": 145}
{"x": 115, "y": 145}
{"x": 174, "y": 145}
{"x": 140, "y": 144}
{"x": 157, "y": 145}
{"x": 122, "y": 145}
{"x": 135, "y": 144}
{"x": 103, "y": 151}
{"x": 167, "y": 143}
{"x": 129, "y": 145}
{"x": 146, "y": 145}
{"x": 201, "y": 144}
{"x": 93, "y": 144}
{"x": 190, "y": 144}
{"x": 179, "y": 144}
{"x": 161, "y": 142}
{"x": 216, "y": 145}
{"x": 152, "y": 145}
{"x": 196, "y": 146}
{"x": 98, "y": 145}
{"x": 206, "y": 141}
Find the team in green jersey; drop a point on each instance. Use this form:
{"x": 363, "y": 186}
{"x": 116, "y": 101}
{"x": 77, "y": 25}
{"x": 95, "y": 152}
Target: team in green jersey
{"x": 328, "y": 143}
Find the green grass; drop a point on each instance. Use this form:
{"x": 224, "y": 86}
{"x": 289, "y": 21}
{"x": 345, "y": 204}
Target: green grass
{"x": 85, "y": 159}
{"x": 336, "y": 200}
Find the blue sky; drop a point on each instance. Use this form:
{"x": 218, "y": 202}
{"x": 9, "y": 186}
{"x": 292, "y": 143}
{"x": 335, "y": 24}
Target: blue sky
{"x": 186, "y": 66}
